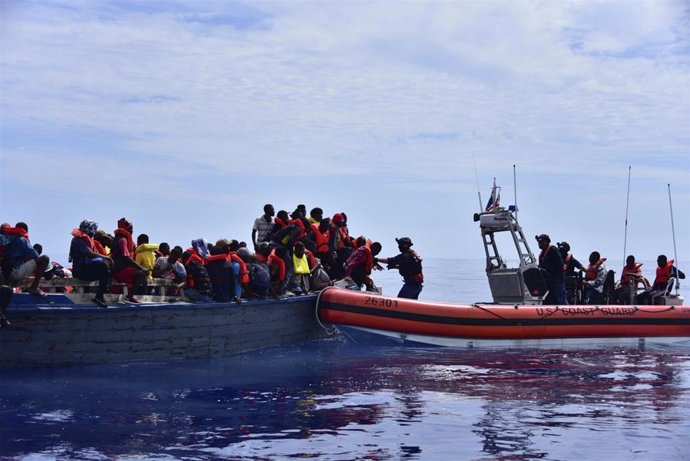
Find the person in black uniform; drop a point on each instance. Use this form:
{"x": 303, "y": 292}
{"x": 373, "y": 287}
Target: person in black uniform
{"x": 551, "y": 262}
{"x": 569, "y": 277}
{"x": 409, "y": 263}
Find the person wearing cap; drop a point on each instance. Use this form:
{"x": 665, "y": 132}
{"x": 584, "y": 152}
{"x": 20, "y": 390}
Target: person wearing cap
{"x": 569, "y": 266}
{"x": 409, "y": 263}
{"x": 551, "y": 262}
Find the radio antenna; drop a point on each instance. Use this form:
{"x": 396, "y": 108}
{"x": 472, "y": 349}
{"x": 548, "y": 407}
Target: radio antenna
{"x": 479, "y": 194}
{"x": 673, "y": 230}
{"x": 627, "y": 203}
{"x": 515, "y": 191}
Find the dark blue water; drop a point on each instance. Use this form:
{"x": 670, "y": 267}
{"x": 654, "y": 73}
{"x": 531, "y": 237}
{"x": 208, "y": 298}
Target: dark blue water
{"x": 337, "y": 401}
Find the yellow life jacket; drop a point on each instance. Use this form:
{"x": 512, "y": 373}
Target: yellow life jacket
{"x": 301, "y": 264}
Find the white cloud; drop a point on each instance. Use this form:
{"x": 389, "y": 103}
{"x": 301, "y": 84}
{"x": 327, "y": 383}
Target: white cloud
{"x": 405, "y": 90}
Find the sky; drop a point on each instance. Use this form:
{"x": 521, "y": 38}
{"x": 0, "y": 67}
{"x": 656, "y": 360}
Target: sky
{"x": 187, "y": 117}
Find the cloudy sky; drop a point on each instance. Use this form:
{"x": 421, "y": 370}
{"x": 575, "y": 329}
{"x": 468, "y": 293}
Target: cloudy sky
{"x": 187, "y": 117}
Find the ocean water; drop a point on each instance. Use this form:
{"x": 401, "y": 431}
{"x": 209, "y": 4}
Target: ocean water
{"x": 334, "y": 400}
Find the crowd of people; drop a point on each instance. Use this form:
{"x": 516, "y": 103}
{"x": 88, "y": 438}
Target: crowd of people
{"x": 290, "y": 254}
{"x": 566, "y": 286}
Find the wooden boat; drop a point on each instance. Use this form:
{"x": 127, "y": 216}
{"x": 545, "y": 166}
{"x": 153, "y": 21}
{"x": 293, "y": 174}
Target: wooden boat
{"x": 67, "y": 329}
{"x": 517, "y": 315}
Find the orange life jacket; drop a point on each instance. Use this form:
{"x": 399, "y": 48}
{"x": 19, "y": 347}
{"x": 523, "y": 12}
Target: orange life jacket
{"x": 593, "y": 269}
{"x": 310, "y": 258}
{"x": 20, "y": 231}
{"x": 195, "y": 256}
{"x": 663, "y": 273}
{"x": 321, "y": 239}
{"x": 128, "y": 236}
{"x": 302, "y": 230}
{"x": 244, "y": 273}
{"x": 628, "y": 272}
{"x": 85, "y": 237}
{"x": 281, "y": 264}
{"x": 343, "y": 238}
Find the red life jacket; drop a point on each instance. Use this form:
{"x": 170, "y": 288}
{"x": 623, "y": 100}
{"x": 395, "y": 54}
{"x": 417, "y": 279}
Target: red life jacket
{"x": 302, "y": 230}
{"x": 195, "y": 256}
{"x": 310, "y": 258}
{"x": 244, "y": 273}
{"x": 663, "y": 273}
{"x": 321, "y": 239}
{"x": 80, "y": 235}
{"x": 593, "y": 269}
{"x": 213, "y": 258}
{"x": 280, "y": 222}
{"x": 628, "y": 272}
{"x": 128, "y": 236}
{"x": 281, "y": 264}
{"x": 20, "y": 231}
{"x": 343, "y": 238}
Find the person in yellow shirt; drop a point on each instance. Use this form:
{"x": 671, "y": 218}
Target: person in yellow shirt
{"x": 146, "y": 253}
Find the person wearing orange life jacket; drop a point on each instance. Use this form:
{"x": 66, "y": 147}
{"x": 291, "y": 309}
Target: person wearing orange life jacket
{"x": 320, "y": 234}
{"x": 278, "y": 270}
{"x": 595, "y": 276}
{"x": 220, "y": 272}
{"x": 87, "y": 262}
{"x": 20, "y": 260}
{"x": 631, "y": 277}
{"x": 409, "y": 264}
{"x": 340, "y": 244}
{"x": 361, "y": 263}
{"x": 198, "y": 287}
{"x": 551, "y": 263}
{"x": 125, "y": 268}
{"x": 664, "y": 272}
{"x": 5, "y": 288}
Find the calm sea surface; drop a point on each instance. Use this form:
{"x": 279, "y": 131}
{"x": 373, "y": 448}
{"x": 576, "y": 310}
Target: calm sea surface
{"x": 337, "y": 401}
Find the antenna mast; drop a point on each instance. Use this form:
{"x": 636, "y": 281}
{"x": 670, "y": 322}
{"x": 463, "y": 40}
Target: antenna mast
{"x": 673, "y": 229}
{"x": 479, "y": 194}
{"x": 627, "y": 203}
{"x": 515, "y": 191}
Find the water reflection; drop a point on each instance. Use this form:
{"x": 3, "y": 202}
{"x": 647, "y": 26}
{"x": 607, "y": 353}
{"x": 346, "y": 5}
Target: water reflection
{"x": 335, "y": 401}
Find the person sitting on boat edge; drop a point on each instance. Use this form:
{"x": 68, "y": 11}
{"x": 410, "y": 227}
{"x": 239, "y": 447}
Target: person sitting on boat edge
{"x": 126, "y": 269}
{"x": 20, "y": 259}
{"x": 360, "y": 264}
{"x": 146, "y": 253}
{"x": 278, "y": 270}
{"x": 409, "y": 264}
{"x": 89, "y": 264}
{"x": 595, "y": 276}
{"x": 198, "y": 287}
{"x": 261, "y": 230}
{"x": 664, "y": 272}
{"x": 631, "y": 277}
{"x": 171, "y": 268}
{"x": 551, "y": 262}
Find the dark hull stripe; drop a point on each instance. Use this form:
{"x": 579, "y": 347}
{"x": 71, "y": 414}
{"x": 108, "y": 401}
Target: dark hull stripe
{"x": 502, "y": 322}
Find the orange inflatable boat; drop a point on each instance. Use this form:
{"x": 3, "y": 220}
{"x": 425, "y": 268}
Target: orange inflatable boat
{"x": 438, "y": 323}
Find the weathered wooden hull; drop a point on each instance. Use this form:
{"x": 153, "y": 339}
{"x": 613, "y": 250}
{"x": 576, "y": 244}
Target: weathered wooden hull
{"x": 68, "y": 334}
{"x": 442, "y": 324}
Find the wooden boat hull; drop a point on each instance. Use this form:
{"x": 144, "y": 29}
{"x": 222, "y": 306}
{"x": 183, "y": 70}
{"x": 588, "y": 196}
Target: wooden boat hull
{"x": 63, "y": 333}
{"x": 436, "y": 323}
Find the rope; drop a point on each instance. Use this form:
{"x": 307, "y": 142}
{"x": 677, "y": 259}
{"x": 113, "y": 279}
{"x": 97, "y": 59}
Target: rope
{"x": 330, "y": 329}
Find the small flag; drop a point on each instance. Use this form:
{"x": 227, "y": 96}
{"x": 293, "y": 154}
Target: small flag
{"x": 494, "y": 199}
